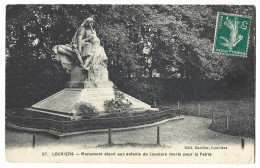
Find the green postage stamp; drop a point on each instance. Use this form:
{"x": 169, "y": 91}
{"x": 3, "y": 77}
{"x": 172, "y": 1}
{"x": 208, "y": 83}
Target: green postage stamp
{"x": 232, "y": 34}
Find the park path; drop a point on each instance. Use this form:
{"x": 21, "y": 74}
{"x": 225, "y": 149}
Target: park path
{"x": 191, "y": 130}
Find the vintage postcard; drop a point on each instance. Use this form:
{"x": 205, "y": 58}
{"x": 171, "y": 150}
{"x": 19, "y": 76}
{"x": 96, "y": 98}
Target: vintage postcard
{"x": 130, "y": 83}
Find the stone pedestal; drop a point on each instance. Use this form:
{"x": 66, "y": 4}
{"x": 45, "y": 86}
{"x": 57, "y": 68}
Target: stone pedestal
{"x": 96, "y": 97}
{"x": 77, "y": 77}
{"x": 65, "y": 100}
{"x": 79, "y": 90}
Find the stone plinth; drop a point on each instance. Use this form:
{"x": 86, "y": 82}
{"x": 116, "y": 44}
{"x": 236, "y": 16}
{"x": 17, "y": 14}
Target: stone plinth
{"x": 61, "y": 102}
{"x": 65, "y": 100}
{"x": 96, "y": 97}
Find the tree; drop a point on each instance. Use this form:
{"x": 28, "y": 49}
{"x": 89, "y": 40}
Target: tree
{"x": 141, "y": 41}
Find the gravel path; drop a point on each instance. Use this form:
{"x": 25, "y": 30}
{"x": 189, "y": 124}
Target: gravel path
{"x": 191, "y": 130}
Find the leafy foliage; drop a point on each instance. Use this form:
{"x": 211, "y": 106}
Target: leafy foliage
{"x": 141, "y": 41}
{"x": 118, "y": 105}
{"x": 147, "y": 90}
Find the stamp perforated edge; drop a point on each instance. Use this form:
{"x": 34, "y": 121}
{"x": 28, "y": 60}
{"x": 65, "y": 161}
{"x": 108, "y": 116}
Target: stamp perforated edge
{"x": 247, "y": 39}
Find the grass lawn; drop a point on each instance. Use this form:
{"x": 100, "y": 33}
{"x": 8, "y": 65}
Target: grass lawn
{"x": 241, "y": 114}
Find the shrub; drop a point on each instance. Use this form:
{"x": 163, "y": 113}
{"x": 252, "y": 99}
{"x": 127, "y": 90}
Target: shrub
{"x": 119, "y": 104}
{"x": 86, "y": 109}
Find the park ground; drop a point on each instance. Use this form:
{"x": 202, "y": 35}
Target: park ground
{"x": 241, "y": 114}
{"x": 192, "y": 129}
{"x": 175, "y": 135}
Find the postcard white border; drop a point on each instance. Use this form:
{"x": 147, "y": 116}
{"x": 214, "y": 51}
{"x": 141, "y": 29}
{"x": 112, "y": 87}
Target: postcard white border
{"x": 63, "y": 165}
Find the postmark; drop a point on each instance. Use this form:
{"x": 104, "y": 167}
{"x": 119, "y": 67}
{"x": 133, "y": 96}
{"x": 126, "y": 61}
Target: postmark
{"x": 232, "y": 34}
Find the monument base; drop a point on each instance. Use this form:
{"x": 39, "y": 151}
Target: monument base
{"x": 58, "y": 116}
{"x": 64, "y": 101}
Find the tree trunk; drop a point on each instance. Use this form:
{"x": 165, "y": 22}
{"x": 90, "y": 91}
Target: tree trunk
{"x": 150, "y": 73}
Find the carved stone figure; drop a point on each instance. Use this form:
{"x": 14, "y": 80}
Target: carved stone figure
{"x": 83, "y": 54}
{"x": 74, "y": 53}
{"x": 96, "y": 63}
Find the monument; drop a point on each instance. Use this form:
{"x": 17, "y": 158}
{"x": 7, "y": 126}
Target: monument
{"x": 90, "y": 100}
{"x": 89, "y": 88}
